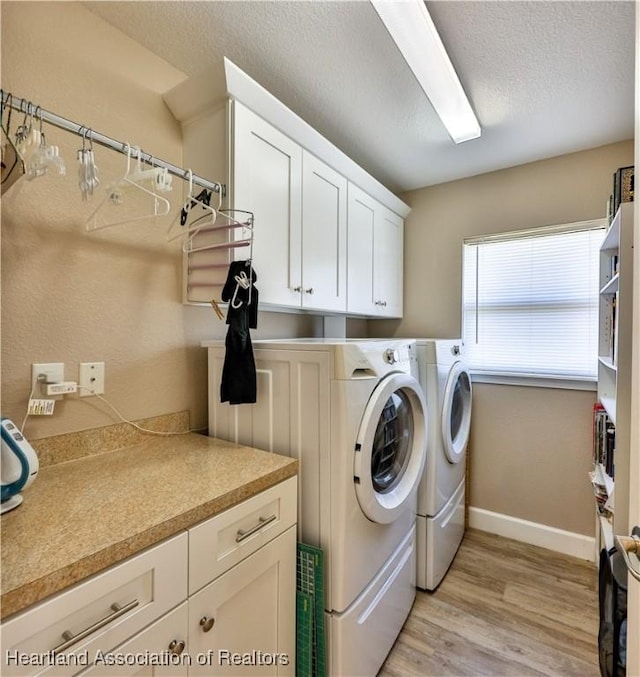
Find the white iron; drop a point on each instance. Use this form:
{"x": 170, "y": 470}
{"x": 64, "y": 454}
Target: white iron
{"x": 18, "y": 465}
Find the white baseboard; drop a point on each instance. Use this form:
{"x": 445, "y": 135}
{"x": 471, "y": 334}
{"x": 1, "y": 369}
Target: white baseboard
{"x": 567, "y": 542}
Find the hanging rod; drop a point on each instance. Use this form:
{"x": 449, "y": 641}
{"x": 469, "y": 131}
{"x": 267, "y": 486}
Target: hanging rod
{"x": 85, "y": 132}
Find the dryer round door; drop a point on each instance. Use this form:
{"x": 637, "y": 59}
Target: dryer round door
{"x": 390, "y": 448}
{"x": 456, "y": 413}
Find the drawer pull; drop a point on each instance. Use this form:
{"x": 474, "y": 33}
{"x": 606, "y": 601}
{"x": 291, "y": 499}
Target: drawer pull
{"x": 71, "y": 639}
{"x": 206, "y": 623}
{"x": 262, "y": 522}
{"x": 176, "y": 647}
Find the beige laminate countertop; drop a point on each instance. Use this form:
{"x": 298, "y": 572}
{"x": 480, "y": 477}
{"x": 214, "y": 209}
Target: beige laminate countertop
{"x": 82, "y": 516}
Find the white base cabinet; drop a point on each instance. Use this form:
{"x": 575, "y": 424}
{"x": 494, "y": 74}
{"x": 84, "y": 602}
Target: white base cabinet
{"x": 71, "y": 629}
{"x": 241, "y": 624}
{"x": 216, "y": 600}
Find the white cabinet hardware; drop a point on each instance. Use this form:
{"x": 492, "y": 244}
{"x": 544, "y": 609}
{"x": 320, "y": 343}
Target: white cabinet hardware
{"x": 206, "y": 623}
{"x": 116, "y": 612}
{"x": 262, "y": 522}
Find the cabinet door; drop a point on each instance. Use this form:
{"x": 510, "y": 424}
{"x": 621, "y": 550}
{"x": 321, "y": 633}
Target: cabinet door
{"x": 388, "y": 263}
{"x": 243, "y": 623}
{"x": 159, "y": 650}
{"x": 361, "y": 216}
{"x": 267, "y": 170}
{"x": 324, "y": 236}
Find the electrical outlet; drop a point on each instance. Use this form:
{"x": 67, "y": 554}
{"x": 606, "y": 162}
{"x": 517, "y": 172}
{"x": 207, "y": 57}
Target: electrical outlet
{"x": 54, "y": 372}
{"x": 91, "y": 379}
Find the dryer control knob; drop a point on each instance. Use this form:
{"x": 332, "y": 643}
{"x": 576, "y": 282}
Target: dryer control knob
{"x": 455, "y": 350}
{"x": 390, "y": 356}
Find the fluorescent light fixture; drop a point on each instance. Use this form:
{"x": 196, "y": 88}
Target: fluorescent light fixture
{"x": 415, "y": 35}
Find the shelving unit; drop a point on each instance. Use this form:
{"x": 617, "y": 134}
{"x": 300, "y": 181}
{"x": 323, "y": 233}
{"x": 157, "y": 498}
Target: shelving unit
{"x": 614, "y": 373}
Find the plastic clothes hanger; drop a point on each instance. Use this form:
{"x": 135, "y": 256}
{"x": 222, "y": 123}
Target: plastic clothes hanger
{"x": 178, "y": 229}
{"x": 231, "y": 223}
{"x": 43, "y": 156}
{"x": 87, "y": 170}
{"x": 115, "y": 197}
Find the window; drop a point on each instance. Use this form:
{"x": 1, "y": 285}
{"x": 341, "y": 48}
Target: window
{"x": 530, "y": 303}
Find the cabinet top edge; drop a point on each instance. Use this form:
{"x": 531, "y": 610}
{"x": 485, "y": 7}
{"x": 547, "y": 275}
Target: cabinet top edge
{"x": 210, "y": 89}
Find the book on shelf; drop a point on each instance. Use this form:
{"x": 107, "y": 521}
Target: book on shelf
{"x": 604, "y": 441}
{"x": 609, "y": 211}
{"x": 604, "y": 501}
{"x": 609, "y": 335}
{"x": 614, "y": 327}
{"x": 623, "y": 186}
{"x": 614, "y": 266}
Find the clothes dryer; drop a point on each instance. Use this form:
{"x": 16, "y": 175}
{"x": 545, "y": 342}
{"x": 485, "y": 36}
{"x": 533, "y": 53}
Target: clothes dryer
{"x": 446, "y": 382}
{"x": 354, "y": 415}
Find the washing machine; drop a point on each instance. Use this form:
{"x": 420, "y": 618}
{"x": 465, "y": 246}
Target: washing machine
{"x": 446, "y": 383}
{"x": 354, "y": 415}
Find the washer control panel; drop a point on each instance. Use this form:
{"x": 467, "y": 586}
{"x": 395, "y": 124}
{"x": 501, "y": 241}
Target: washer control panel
{"x": 401, "y": 356}
{"x": 391, "y": 356}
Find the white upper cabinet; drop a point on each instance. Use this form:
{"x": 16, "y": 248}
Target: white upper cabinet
{"x": 361, "y": 228}
{"x": 324, "y": 236}
{"x": 375, "y": 257}
{"x": 320, "y": 244}
{"x": 388, "y": 263}
{"x": 266, "y": 180}
{"x": 300, "y": 207}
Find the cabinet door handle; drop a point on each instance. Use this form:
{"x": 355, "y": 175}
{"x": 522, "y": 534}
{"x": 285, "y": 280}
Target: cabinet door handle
{"x": 297, "y": 289}
{"x": 262, "y": 522}
{"x": 71, "y": 639}
{"x": 176, "y": 647}
{"x": 309, "y": 291}
{"x": 206, "y": 623}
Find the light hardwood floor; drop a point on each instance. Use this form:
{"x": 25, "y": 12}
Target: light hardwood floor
{"x": 504, "y": 609}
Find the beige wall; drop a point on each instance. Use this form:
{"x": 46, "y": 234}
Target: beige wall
{"x": 530, "y": 447}
{"x": 112, "y": 296}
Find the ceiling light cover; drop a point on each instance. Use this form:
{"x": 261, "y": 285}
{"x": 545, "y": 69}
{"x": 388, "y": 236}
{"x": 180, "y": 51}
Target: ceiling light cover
{"x": 415, "y": 35}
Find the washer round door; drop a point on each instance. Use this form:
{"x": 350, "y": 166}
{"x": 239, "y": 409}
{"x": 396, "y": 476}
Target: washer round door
{"x": 390, "y": 448}
{"x": 456, "y": 413}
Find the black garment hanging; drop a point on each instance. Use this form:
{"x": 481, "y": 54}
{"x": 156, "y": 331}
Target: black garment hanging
{"x": 238, "y": 384}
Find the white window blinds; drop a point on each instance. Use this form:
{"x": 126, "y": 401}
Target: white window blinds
{"x": 530, "y": 302}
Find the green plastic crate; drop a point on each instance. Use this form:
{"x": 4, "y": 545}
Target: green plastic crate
{"x": 311, "y": 648}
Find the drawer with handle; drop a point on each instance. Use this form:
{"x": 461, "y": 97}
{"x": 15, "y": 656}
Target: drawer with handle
{"x": 224, "y": 540}
{"x": 61, "y": 635}
{"x": 158, "y": 650}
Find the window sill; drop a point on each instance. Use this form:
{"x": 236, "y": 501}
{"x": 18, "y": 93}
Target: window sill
{"x": 535, "y": 380}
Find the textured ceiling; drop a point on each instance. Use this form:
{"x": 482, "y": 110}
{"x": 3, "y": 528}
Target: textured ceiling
{"x": 545, "y": 77}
